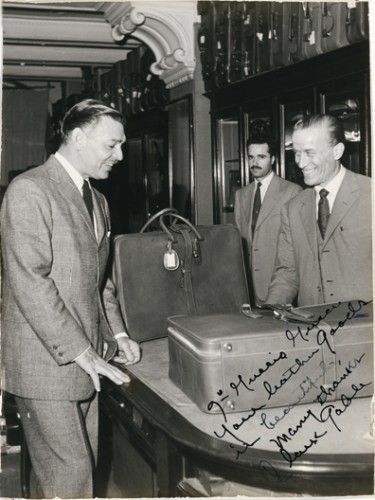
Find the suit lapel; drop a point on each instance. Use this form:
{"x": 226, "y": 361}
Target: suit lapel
{"x": 308, "y": 216}
{"x": 345, "y": 198}
{"x": 269, "y": 201}
{"x": 71, "y": 193}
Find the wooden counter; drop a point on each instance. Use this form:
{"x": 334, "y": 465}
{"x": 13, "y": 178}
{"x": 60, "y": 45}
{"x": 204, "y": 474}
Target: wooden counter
{"x": 177, "y": 441}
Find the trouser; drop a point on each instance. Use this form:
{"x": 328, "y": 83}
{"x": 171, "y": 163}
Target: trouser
{"x": 62, "y": 438}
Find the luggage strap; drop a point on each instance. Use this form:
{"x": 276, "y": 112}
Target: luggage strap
{"x": 186, "y": 273}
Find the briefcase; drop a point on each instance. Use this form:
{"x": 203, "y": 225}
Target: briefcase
{"x": 230, "y": 362}
{"x": 180, "y": 269}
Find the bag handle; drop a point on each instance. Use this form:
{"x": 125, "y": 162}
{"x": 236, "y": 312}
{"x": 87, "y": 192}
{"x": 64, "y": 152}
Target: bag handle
{"x": 185, "y": 221}
{"x": 156, "y": 216}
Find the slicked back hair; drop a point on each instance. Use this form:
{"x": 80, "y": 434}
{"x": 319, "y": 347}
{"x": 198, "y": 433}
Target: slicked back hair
{"x": 86, "y": 113}
{"x": 263, "y": 139}
{"x": 334, "y": 126}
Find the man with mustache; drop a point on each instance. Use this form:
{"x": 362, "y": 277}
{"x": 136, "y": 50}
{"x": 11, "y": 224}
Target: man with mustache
{"x": 59, "y": 307}
{"x": 257, "y": 212}
{"x": 324, "y": 250}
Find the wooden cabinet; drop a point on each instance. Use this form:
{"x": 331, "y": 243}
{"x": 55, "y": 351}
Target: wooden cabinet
{"x": 336, "y": 82}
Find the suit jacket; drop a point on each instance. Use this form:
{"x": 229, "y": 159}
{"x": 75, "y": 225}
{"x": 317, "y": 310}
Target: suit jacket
{"x": 262, "y": 246}
{"x": 56, "y": 298}
{"x": 334, "y": 269}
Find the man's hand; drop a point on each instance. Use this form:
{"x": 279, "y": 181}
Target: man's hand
{"x": 94, "y": 365}
{"x": 128, "y": 351}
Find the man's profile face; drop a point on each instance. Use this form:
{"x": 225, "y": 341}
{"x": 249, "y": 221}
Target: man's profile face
{"x": 102, "y": 147}
{"x": 260, "y": 160}
{"x": 314, "y": 154}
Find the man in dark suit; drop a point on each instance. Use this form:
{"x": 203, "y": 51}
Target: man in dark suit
{"x": 257, "y": 212}
{"x": 59, "y": 308}
{"x": 324, "y": 250}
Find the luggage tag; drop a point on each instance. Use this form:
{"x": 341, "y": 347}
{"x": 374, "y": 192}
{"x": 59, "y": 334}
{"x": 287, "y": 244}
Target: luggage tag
{"x": 171, "y": 260}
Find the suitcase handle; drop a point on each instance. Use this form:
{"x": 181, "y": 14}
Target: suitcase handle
{"x": 157, "y": 216}
{"x": 185, "y": 221}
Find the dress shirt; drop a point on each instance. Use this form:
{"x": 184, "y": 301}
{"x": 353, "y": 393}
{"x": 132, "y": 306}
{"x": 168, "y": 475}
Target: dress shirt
{"x": 265, "y": 181}
{"x": 78, "y": 181}
{"x": 332, "y": 187}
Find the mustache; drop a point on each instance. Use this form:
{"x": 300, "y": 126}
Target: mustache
{"x": 255, "y": 167}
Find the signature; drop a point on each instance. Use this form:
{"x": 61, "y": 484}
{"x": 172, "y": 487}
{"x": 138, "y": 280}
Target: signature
{"x": 325, "y": 392}
{"x": 261, "y": 371}
{"x": 289, "y": 373}
{"x": 306, "y": 385}
{"x": 322, "y": 336}
{"x": 328, "y": 413}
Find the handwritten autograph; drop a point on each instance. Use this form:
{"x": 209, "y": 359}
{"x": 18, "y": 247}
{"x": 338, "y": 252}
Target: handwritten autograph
{"x": 322, "y": 336}
{"x": 327, "y": 414}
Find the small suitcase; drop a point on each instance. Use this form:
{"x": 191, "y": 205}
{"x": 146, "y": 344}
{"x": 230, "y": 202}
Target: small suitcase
{"x": 292, "y": 33}
{"x": 183, "y": 270}
{"x": 228, "y": 362}
{"x": 357, "y": 21}
{"x": 262, "y": 40}
{"x": 311, "y": 43}
{"x": 334, "y": 16}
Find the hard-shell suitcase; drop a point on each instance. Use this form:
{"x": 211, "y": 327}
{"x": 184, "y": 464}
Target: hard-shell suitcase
{"x": 311, "y": 43}
{"x": 357, "y": 22}
{"x": 228, "y": 362}
{"x": 334, "y": 15}
{"x": 292, "y": 32}
{"x": 183, "y": 270}
{"x": 275, "y": 35}
{"x": 262, "y": 40}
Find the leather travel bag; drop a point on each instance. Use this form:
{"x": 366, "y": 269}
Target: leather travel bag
{"x": 180, "y": 269}
{"x": 230, "y": 362}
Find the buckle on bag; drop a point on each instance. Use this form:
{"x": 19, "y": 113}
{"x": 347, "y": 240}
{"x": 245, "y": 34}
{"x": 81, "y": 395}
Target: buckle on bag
{"x": 247, "y": 311}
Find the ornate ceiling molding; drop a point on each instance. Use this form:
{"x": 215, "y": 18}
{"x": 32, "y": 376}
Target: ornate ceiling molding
{"x": 166, "y": 27}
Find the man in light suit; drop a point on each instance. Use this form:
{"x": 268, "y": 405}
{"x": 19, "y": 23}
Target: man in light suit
{"x": 324, "y": 249}
{"x": 257, "y": 213}
{"x": 59, "y": 307}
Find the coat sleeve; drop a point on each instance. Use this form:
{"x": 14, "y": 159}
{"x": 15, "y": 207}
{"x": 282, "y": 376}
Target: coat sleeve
{"x": 27, "y": 251}
{"x": 284, "y": 283}
{"x": 110, "y": 302}
{"x": 237, "y": 210}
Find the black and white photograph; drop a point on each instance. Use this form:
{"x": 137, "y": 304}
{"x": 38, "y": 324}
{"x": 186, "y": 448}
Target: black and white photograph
{"x": 186, "y": 206}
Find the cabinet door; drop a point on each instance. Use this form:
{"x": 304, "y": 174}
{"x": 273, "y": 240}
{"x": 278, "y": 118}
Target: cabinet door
{"x": 157, "y": 182}
{"x": 136, "y": 184}
{"x": 228, "y": 175}
{"x": 345, "y": 99}
{"x": 292, "y": 107}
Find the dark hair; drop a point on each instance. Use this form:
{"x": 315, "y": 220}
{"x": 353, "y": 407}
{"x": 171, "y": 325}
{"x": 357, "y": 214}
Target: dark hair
{"x": 260, "y": 133}
{"x": 334, "y": 126}
{"x": 263, "y": 139}
{"x": 84, "y": 113}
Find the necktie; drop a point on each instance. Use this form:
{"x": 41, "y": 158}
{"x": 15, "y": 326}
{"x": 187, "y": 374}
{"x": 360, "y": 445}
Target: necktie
{"x": 87, "y": 198}
{"x": 256, "y": 206}
{"x": 323, "y": 211}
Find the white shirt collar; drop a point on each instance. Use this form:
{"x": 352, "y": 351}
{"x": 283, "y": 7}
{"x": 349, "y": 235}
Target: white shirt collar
{"x": 266, "y": 181}
{"x": 71, "y": 171}
{"x": 332, "y": 187}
